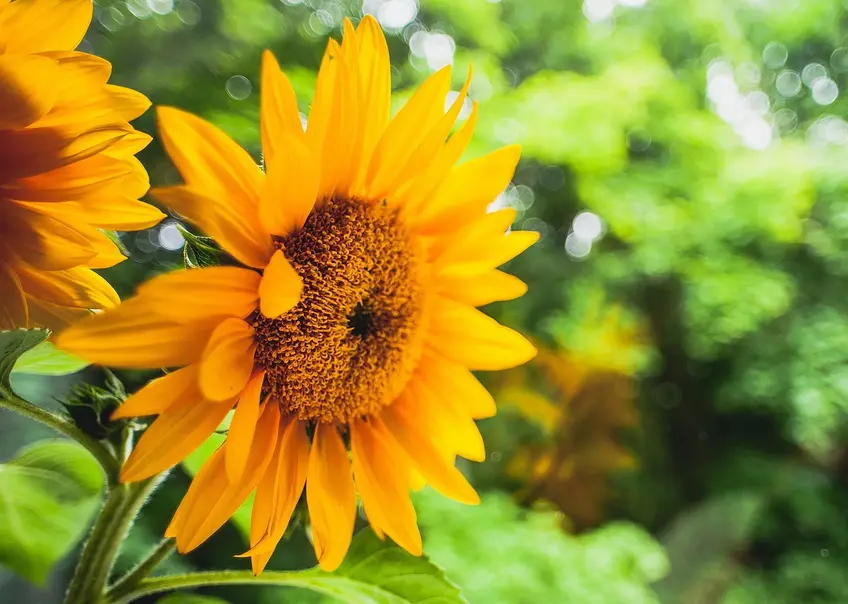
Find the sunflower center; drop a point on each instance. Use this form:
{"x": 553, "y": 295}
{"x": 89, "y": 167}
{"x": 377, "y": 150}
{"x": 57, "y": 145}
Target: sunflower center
{"x": 350, "y": 345}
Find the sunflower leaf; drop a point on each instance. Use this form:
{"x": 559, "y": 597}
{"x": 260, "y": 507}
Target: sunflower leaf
{"x": 379, "y": 572}
{"x": 46, "y": 359}
{"x": 190, "y": 599}
{"x": 13, "y": 344}
{"x": 48, "y": 494}
{"x": 199, "y": 252}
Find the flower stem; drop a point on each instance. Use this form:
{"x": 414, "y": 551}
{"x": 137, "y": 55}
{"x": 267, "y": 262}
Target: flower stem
{"x": 224, "y": 577}
{"x": 106, "y": 458}
{"x": 111, "y": 527}
{"x": 126, "y": 583}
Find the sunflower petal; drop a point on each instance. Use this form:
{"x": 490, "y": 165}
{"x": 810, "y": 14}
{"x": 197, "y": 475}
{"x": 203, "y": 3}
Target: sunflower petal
{"x": 278, "y": 494}
{"x": 227, "y": 361}
{"x": 280, "y": 288}
{"x": 479, "y": 290}
{"x": 469, "y": 337}
{"x": 27, "y": 89}
{"x": 172, "y": 437}
{"x": 456, "y": 384}
{"x": 75, "y": 287}
{"x": 13, "y": 304}
{"x": 291, "y": 187}
{"x": 31, "y": 26}
{"x": 176, "y": 389}
{"x": 382, "y": 485}
{"x": 278, "y": 108}
{"x": 243, "y": 427}
{"x": 212, "y": 499}
{"x": 330, "y": 496}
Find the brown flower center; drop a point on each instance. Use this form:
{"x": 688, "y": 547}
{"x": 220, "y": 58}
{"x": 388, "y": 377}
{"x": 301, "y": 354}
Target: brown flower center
{"x": 351, "y": 344}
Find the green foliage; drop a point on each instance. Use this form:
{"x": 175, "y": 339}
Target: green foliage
{"x": 500, "y": 553}
{"x": 13, "y": 344}
{"x": 46, "y": 359}
{"x": 199, "y": 251}
{"x": 91, "y": 406}
{"x": 48, "y": 494}
{"x": 379, "y": 572}
{"x": 180, "y": 598}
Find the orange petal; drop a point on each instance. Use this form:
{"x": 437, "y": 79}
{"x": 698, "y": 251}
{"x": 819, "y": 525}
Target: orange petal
{"x": 330, "y": 496}
{"x": 75, "y": 287}
{"x": 227, "y": 360}
{"x": 479, "y": 290}
{"x": 27, "y": 89}
{"x": 176, "y": 389}
{"x": 13, "y": 306}
{"x": 172, "y": 437}
{"x": 467, "y": 191}
{"x": 382, "y": 485}
{"x": 243, "y": 427}
{"x": 31, "y": 26}
{"x": 401, "y": 420}
{"x": 469, "y": 337}
{"x": 133, "y": 337}
{"x": 278, "y": 109}
{"x": 201, "y": 293}
{"x": 237, "y": 229}
{"x": 278, "y": 494}
{"x": 212, "y": 499}
{"x": 456, "y": 384}
{"x": 280, "y": 288}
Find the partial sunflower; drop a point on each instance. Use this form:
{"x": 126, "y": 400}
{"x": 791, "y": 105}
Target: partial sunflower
{"x": 346, "y": 341}
{"x": 67, "y": 166}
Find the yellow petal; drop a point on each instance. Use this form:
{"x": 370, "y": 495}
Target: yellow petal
{"x": 31, "y": 26}
{"x": 176, "y": 389}
{"x": 403, "y": 424}
{"x": 209, "y": 507}
{"x": 322, "y": 105}
{"x": 382, "y": 485}
{"x": 467, "y": 191}
{"x": 117, "y": 213}
{"x": 430, "y": 145}
{"x": 75, "y": 287}
{"x": 449, "y": 424}
{"x": 418, "y": 190}
{"x": 209, "y": 160}
{"x": 51, "y": 316}
{"x": 13, "y": 305}
{"x": 280, "y": 288}
{"x": 43, "y": 241}
{"x": 291, "y": 187}
{"x": 27, "y": 89}
{"x": 243, "y": 427}
{"x": 278, "y": 494}
{"x": 457, "y": 385}
{"x": 469, "y": 337}
{"x": 201, "y": 293}
{"x": 69, "y": 183}
{"x": 278, "y": 108}
{"x": 236, "y": 229}
{"x": 406, "y": 131}
{"x": 133, "y": 337}
{"x": 330, "y": 496}
{"x": 172, "y": 437}
{"x": 375, "y": 91}
{"x": 227, "y": 360}
{"x": 479, "y": 290}
{"x": 462, "y": 259}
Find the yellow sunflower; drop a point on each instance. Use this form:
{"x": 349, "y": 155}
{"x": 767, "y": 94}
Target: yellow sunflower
{"x": 346, "y": 339}
{"x": 67, "y": 166}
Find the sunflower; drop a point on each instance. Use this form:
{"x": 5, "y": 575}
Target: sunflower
{"x": 346, "y": 338}
{"x": 67, "y": 166}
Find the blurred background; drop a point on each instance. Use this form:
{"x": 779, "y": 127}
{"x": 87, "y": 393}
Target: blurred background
{"x": 682, "y": 436}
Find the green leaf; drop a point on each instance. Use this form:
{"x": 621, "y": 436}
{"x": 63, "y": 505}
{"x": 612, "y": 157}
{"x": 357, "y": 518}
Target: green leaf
{"x": 379, "y": 572}
{"x": 48, "y": 494}
{"x": 13, "y": 344}
{"x": 198, "y": 251}
{"x": 46, "y": 359}
{"x": 190, "y": 599}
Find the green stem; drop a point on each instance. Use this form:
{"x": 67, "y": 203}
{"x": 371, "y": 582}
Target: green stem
{"x": 304, "y": 579}
{"x": 9, "y": 400}
{"x": 109, "y": 531}
{"x": 125, "y": 584}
